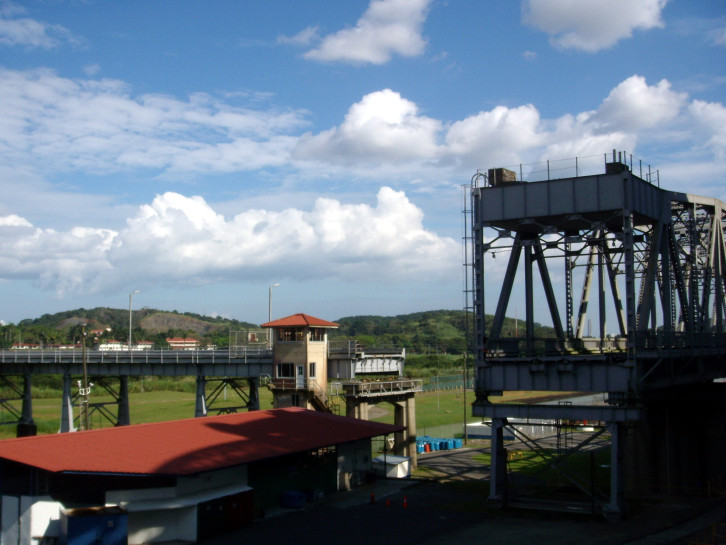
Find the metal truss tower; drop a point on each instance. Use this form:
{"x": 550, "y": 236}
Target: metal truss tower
{"x": 589, "y": 248}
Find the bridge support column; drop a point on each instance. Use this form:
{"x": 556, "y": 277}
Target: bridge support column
{"x": 66, "y": 423}
{"x": 27, "y": 426}
{"x": 201, "y": 407}
{"x": 254, "y": 395}
{"x": 356, "y": 408}
{"x": 405, "y": 415}
{"x": 123, "y": 418}
{"x": 616, "y": 508}
{"x": 497, "y": 484}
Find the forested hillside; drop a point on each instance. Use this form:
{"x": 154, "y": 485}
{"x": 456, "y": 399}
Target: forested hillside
{"x": 430, "y": 332}
{"x": 442, "y": 331}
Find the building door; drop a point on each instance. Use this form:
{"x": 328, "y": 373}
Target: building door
{"x": 300, "y": 377}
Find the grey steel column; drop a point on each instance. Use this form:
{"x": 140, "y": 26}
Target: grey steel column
{"x": 497, "y": 485}
{"x": 601, "y": 289}
{"x": 585, "y": 298}
{"x": 549, "y": 291}
{"x": 254, "y": 395}
{"x": 529, "y": 296}
{"x": 66, "y": 423}
{"x": 496, "y": 329}
{"x": 616, "y": 508}
{"x": 201, "y": 406}
{"x": 123, "y": 418}
{"x": 26, "y": 426}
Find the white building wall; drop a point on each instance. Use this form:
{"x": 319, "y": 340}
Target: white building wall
{"x": 211, "y": 480}
{"x": 162, "y": 525}
{"x": 164, "y": 514}
{"x": 354, "y": 461}
{"x": 28, "y": 519}
{"x": 10, "y": 534}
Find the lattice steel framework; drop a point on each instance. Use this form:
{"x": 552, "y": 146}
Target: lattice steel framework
{"x": 656, "y": 260}
{"x": 656, "y": 257}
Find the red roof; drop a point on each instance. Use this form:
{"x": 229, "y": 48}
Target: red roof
{"x": 300, "y": 320}
{"x": 194, "y": 445}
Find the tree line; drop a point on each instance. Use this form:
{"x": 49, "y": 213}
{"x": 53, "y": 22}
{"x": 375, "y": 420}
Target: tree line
{"x": 433, "y": 333}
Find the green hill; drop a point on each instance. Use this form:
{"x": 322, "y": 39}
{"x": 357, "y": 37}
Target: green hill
{"x": 429, "y": 332}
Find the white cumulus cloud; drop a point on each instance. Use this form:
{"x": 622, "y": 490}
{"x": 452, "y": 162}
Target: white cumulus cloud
{"x": 386, "y": 28}
{"x": 634, "y": 105}
{"x": 23, "y": 31}
{"x": 98, "y": 125}
{"x": 592, "y": 25}
{"x": 383, "y": 126}
{"x": 179, "y": 240}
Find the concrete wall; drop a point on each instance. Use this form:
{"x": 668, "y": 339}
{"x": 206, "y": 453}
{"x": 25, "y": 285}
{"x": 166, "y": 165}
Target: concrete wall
{"x": 354, "y": 462}
{"x": 163, "y": 525}
{"x": 26, "y": 520}
{"x": 173, "y": 519}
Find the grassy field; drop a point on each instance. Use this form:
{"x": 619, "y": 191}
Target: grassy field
{"x": 432, "y": 409}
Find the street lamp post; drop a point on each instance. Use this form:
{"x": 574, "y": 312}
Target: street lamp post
{"x": 131, "y": 298}
{"x": 86, "y": 390}
{"x": 269, "y": 314}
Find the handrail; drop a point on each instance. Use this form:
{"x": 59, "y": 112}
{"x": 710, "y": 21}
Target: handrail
{"x": 357, "y": 388}
{"x": 646, "y": 341}
{"x": 40, "y": 355}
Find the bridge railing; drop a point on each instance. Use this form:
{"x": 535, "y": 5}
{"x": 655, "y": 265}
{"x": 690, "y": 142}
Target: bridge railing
{"x": 351, "y": 348}
{"x": 647, "y": 341}
{"x": 31, "y": 356}
{"x": 376, "y": 388}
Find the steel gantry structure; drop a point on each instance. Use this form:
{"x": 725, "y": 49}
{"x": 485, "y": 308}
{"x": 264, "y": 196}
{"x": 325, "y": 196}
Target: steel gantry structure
{"x": 652, "y": 260}
{"x": 241, "y": 369}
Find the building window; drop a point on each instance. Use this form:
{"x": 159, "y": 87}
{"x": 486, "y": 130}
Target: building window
{"x": 312, "y": 369}
{"x": 285, "y": 370}
{"x": 289, "y": 334}
{"x": 317, "y": 334}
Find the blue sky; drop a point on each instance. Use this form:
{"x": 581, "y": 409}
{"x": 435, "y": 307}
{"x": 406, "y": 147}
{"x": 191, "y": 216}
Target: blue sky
{"x": 202, "y": 151}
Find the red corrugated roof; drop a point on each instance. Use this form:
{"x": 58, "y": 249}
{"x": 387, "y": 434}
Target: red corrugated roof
{"x": 194, "y": 445}
{"x": 300, "y": 320}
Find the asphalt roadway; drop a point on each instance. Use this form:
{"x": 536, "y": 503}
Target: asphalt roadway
{"x": 450, "y": 508}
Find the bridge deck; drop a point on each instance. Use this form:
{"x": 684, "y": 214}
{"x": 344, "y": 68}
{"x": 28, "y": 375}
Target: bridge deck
{"x": 239, "y": 363}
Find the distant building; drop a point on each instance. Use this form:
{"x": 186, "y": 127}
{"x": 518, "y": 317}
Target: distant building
{"x": 196, "y": 478}
{"x": 63, "y": 346}
{"x": 182, "y": 343}
{"x": 111, "y": 344}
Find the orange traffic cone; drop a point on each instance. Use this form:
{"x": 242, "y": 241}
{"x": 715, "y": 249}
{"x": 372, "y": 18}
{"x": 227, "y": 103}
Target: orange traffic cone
{"x": 388, "y": 502}
{"x": 373, "y": 498}
{"x": 405, "y": 502}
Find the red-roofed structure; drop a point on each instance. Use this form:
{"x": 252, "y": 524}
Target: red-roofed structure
{"x": 300, "y": 320}
{"x": 167, "y": 474}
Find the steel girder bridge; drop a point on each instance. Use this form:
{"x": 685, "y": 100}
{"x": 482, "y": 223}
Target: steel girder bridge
{"x": 651, "y": 260}
{"x": 241, "y": 369}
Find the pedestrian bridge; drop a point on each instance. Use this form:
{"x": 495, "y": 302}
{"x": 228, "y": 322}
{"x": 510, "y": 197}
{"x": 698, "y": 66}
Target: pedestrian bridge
{"x": 241, "y": 368}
